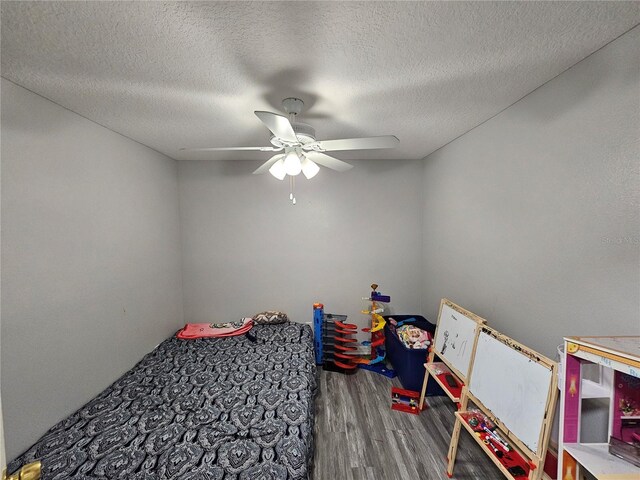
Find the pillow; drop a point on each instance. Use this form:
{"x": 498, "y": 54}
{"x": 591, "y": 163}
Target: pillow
{"x": 270, "y": 318}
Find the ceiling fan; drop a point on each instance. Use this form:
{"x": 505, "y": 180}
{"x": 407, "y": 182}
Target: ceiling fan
{"x": 301, "y": 152}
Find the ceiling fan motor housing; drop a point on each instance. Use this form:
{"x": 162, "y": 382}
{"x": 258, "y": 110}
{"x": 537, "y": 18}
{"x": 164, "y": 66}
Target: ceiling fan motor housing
{"x": 304, "y": 132}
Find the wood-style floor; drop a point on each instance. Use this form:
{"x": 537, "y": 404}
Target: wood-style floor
{"x": 358, "y": 436}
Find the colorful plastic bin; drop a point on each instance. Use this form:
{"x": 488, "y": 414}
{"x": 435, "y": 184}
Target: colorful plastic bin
{"x": 409, "y": 363}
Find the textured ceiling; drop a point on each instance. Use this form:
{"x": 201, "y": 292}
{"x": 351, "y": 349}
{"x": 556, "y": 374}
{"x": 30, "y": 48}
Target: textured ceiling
{"x": 177, "y": 74}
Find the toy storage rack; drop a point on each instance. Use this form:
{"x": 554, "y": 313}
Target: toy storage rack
{"x": 335, "y": 342}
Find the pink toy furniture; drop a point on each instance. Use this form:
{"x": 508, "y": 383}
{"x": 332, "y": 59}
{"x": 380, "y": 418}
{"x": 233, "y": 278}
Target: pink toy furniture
{"x": 622, "y": 355}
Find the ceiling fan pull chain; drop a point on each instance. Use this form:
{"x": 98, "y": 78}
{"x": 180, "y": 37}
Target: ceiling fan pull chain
{"x": 292, "y": 197}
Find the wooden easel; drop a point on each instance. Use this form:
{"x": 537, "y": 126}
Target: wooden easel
{"x": 532, "y": 459}
{"x": 438, "y": 370}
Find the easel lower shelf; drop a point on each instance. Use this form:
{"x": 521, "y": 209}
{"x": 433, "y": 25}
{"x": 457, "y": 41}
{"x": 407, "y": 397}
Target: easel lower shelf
{"x": 438, "y": 371}
{"x": 595, "y": 458}
{"x": 512, "y": 459}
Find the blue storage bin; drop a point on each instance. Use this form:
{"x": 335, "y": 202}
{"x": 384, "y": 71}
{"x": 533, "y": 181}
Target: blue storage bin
{"x": 408, "y": 363}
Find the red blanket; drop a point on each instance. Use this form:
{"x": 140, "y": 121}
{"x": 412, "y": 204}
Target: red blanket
{"x": 206, "y": 330}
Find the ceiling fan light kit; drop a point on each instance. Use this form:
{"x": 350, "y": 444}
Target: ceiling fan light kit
{"x": 309, "y": 168}
{"x": 277, "y": 169}
{"x": 292, "y": 164}
{"x": 302, "y": 151}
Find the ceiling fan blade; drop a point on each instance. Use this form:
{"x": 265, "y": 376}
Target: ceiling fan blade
{"x": 264, "y": 168}
{"x": 222, "y": 149}
{"x": 366, "y": 143}
{"x": 279, "y": 126}
{"x": 327, "y": 161}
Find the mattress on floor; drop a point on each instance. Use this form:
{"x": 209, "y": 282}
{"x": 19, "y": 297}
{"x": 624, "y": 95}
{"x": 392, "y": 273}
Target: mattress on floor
{"x": 206, "y": 409}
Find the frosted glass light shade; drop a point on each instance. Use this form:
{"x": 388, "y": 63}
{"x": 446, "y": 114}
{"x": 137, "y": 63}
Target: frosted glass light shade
{"x": 278, "y": 170}
{"x": 292, "y": 164}
{"x": 309, "y": 168}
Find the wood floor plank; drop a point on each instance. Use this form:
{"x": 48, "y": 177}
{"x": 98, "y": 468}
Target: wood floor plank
{"x": 359, "y": 437}
{"x": 364, "y": 473}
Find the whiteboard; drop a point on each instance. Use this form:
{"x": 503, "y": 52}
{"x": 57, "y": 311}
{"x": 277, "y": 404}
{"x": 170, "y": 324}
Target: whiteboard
{"x": 454, "y": 339}
{"x": 512, "y": 385}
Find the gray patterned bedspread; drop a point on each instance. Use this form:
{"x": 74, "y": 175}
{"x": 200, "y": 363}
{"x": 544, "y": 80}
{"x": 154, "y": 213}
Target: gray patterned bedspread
{"x": 207, "y": 409}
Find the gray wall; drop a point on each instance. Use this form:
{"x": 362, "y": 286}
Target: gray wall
{"x": 3, "y": 458}
{"x": 246, "y": 248}
{"x": 91, "y": 275}
{"x": 532, "y": 219}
